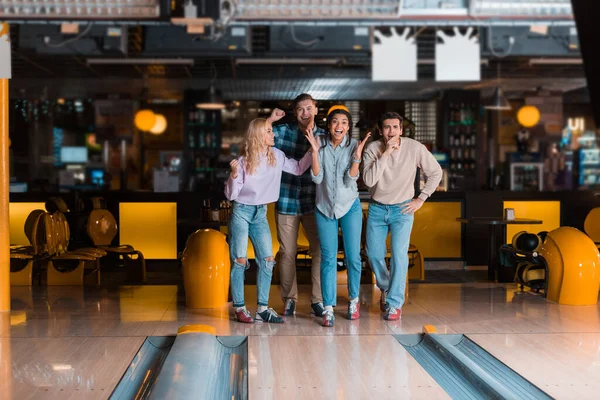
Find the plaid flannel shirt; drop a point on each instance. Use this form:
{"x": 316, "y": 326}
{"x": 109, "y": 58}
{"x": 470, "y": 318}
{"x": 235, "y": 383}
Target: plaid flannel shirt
{"x": 297, "y": 193}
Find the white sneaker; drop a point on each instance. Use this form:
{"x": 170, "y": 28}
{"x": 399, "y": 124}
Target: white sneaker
{"x": 328, "y": 318}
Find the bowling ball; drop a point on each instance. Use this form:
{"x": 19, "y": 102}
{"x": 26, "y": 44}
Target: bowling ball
{"x": 516, "y": 238}
{"x": 528, "y": 242}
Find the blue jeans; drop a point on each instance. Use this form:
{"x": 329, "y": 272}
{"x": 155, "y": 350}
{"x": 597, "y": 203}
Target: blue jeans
{"x": 384, "y": 218}
{"x": 351, "y": 224}
{"x": 250, "y": 221}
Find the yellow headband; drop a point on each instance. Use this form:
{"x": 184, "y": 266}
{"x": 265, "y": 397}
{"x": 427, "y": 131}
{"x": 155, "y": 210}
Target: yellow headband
{"x": 338, "y": 107}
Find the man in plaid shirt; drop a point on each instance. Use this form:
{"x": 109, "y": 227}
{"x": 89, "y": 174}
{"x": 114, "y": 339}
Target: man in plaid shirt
{"x": 296, "y": 204}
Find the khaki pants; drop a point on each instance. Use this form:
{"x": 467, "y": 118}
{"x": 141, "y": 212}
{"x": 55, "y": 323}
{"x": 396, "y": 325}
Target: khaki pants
{"x": 287, "y": 234}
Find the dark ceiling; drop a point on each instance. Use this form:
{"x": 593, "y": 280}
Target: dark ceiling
{"x": 70, "y": 75}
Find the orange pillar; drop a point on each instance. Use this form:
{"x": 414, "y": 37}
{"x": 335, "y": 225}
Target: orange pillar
{"x": 4, "y": 177}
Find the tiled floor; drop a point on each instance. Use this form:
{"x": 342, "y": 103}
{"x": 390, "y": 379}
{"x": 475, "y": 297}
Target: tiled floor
{"x": 69, "y": 343}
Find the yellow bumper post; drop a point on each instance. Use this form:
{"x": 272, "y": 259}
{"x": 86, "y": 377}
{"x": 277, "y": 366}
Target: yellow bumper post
{"x": 573, "y": 267}
{"x": 206, "y": 266}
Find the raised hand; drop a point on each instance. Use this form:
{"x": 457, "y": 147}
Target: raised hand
{"x": 314, "y": 142}
{"x": 392, "y": 144}
{"x": 234, "y": 165}
{"x": 276, "y": 115}
{"x": 361, "y": 146}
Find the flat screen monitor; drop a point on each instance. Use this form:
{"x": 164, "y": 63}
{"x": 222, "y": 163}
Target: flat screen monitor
{"x": 73, "y": 155}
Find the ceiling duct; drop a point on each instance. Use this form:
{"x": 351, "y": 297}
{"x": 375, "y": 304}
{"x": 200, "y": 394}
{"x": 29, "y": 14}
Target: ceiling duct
{"x": 175, "y": 41}
{"x": 90, "y": 40}
{"x": 316, "y": 9}
{"x": 77, "y": 10}
{"x": 521, "y": 8}
{"x": 330, "y": 41}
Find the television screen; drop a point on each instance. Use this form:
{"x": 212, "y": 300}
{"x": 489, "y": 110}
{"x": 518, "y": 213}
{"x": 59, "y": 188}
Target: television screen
{"x": 73, "y": 155}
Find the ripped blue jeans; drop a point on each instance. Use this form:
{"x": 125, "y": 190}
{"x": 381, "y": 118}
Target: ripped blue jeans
{"x": 250, "y": 222}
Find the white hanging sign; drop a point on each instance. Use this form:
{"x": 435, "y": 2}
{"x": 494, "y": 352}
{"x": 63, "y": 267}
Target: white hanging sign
{"x": 395, "y": 57}
{"x": 5, "y": 72}
{"x": 458, "y": 57}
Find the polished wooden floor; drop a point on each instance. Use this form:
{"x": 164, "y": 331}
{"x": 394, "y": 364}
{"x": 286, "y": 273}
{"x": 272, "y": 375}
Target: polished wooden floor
{"x": 75, "y": 343}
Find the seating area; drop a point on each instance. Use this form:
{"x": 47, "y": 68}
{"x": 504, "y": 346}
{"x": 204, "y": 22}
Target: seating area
{"x": 51, "y": 258}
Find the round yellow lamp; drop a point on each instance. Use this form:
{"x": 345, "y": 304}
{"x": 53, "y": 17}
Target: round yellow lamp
{"x": 160, "y": 126}
{"x": 528, "y": 116}
{"x": 145, "y": 120}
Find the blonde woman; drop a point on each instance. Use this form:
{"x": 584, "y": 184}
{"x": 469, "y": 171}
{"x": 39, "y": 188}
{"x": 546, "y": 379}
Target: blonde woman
{"x": 254, "y": 182}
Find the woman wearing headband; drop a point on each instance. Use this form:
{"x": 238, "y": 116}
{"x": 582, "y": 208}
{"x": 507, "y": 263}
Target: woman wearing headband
{"x": 335, "y": 162}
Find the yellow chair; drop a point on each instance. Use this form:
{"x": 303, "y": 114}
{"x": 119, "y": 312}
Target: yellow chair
{"x": 22, "y": 258}
{"x": 591, "y": 226}
{"x": 60, "y": 270}
{"x": 21, "y": 269}
{"x": 102, "y": 228}
{"x": 47, "y": 245}
{"x": 62, "y": 234}
{"x": 41, "y": 230}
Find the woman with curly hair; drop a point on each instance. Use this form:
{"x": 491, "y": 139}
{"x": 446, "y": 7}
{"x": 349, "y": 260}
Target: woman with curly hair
{"x": 334, "y": 169}
{"x": 254, "y": 182}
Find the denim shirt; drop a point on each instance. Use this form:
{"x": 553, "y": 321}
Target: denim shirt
{"x": 336, "y": 189}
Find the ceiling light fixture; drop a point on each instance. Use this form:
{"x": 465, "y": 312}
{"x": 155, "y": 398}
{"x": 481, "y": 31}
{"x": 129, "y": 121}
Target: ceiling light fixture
{"x": 498, "y": 102}
{"x": 287, "y": 61}
{"x": 555, "y": 61}
{"x": 212, "y": 100}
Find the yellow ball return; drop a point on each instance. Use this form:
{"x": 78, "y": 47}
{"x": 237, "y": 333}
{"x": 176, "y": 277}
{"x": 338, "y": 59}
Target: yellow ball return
{"x": 563, "y": 265}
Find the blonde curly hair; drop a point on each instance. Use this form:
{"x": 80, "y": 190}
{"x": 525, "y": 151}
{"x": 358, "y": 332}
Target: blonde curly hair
{"x": 254, "y": 143}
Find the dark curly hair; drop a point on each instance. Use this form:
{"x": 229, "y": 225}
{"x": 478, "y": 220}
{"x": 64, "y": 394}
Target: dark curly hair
{"x": 330, "y": 117}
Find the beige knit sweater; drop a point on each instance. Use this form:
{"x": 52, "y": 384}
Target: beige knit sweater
{"x": 390, "y": 178}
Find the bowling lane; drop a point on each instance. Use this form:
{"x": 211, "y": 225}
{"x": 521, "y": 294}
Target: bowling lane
{"x": 328, "y": 367}
{"x": 67, "y": 368}
{"x": 564, "y": 365}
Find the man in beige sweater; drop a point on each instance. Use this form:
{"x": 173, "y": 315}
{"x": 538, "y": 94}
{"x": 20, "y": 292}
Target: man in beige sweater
{"x": 389, "y": 169}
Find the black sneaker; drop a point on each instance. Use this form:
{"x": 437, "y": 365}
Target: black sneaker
{"x": 269, "y": 315}
{"x": 290, "y": 307}
{"x": 317, "y": 309}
